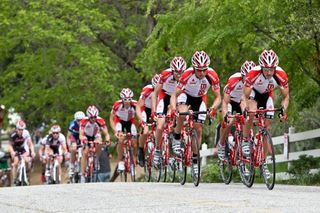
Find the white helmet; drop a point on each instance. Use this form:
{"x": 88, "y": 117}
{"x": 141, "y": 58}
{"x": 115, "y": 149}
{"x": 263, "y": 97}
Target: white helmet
{"x": 246, "y": 67}
{"x": 268, "y": 58}
{"x": 55, "y": 128}
{"x": 79, "y": 115}
{"x": 178, "y": 64}
{"x": 92, "y": 111}
{"x": 21, "y": 124}
{"x": 126, "y": 93}
{"x": 155, "y": 80}
{"x": 200, "y": 60}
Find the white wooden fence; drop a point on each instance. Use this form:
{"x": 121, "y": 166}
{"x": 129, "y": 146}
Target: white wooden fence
{"x": 286, "y": 139}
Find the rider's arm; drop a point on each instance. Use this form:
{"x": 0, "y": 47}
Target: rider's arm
{"x": 138, "y": 108}
{"x": 245, "y": 96}
{"x": 217, "y": 98}
{"x": 31, "y": 147}
{"x": 106, "y": 133}
{"x": 226, "y": 100}
{"x": 155, "y": 96}
{"x": 112, "y": 123}
{"x": 69, "y": 137}
{"x": 285, "y": 97}
{"x": 173, "y": 98}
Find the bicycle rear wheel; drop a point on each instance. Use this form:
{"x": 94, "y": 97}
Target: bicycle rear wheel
{"x": 195, "y": 157}
{"x": 269, "y": 171}
{"x": 246, "y": 166}
{"x": 226, "y": 166}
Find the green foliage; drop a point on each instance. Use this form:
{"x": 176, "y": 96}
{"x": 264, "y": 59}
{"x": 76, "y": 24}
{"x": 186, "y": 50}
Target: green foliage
{"x": 211, "y": 173}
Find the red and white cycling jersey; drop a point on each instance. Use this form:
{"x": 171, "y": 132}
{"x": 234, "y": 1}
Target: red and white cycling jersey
{"x": 256, "y": 80}
{"x": 234, "y": 87}
{"x": 125, "y": 114}
{"x": 146, "y": 95}
{"x": 168, "y": 82}
{"x": 92, "y": 129}
{"x": 196, "y": 87}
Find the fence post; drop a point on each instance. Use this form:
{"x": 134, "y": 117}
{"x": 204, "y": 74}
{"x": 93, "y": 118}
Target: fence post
{"x": 291, "y": 131}
{"x": 204, "y": 147}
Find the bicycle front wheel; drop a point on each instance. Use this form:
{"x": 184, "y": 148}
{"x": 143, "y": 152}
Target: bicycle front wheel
{"x": 196, "y": 161}
{"x": 268, "y": 166}
{"x": 148, "y": 167}
{"x": 132, "y": 166}
{"x": 246, "y": 166}
{"x": 226, "y": 166}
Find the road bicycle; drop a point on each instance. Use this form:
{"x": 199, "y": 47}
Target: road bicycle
{"x": 75, "y": 177}
{"x": 190, "y": 146}
{"x": 91, "y": 172}
{"x": 232, "y": 150}
{"x": 262, "y": 154}
{"x": 148, "y": 149}
{"x": 53, "y": 175}
{"x": 129, "y": 159}
{"x": 163, "y": 169}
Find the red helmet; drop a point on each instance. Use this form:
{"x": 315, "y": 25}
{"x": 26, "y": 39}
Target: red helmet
{"x": 268, "y": 58}
{"x": 178, "y": 64}
{"x": 55, "y": 128}
{"x": 200, "y": 60}
{"x": 92, "y": 111}
{"x": 155, "y": 80}
{"x": 126, "y": 93}
{"x": 21, "y": 124}
{"x": 246, "y": 67}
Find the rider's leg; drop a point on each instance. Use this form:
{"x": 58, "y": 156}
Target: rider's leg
{"x": 84, "y": 160}
{"x": 14, "y": 165}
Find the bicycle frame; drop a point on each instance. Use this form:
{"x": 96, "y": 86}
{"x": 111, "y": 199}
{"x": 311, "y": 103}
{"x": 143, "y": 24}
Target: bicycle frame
{"x": 129, "y": 161}
{"x": 258, "y": 154}
{"x": 22, "y": 171}
{"x": 92, "y": 164}
{"x": 238, "y": 122}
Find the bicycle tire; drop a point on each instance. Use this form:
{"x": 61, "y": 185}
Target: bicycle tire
{"x": 147, "y": 167}
{"x": 171, "y": 171}
{"x": 194, "y": 139}
{"x": 182, "y": 169}
{"x": 226, "y": 165}
{"x": 57, "y": 181}
{"x": 246, "y": 166}
{"x": 269, "y": 160}
{"x": 132, "y": 165}
{"x": 165, "y": 160}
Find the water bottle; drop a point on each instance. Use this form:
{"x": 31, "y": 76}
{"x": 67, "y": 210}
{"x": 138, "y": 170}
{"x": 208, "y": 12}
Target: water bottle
{"x": 150, "y": 146}
{"x": 231, "y": 141}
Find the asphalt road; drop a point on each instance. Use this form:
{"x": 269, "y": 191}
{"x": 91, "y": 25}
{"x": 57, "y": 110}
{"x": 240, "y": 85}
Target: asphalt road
{"x": 159, "y": 197}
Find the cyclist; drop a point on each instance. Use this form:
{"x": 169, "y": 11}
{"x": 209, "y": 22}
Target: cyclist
{"x": 161, "y": 98}
{"x": 144, "y": 113}
{"x": 122, "y": 118}
{"x": 231, "y": 103}
{"x": 55, "y": 144}
{"x": 258, "y": 92}
{"x": 192, "y": 91}
{"x": 73, "y": 141}
{"x": 20, "y": 142}
{"x": 90, "y": 130}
